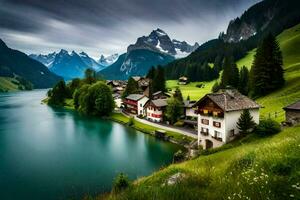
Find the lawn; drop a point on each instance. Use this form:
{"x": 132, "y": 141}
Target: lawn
{"x": 264, "y": 168}
{"x": 150, "y": 129}
{"x": 190, "y": 89}
{"x": 6, "y": 84}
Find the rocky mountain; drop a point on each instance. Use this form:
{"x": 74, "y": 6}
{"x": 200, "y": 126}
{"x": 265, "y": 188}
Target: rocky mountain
{"x": 44, "y": 59}
{"x": 108, "y": 60}
{"x": 91, "y": 62}
{"x": 159, "y": 41}
{"x": 15, "y": 63}
{"x": 155, "y": 49}
{"x": 68, "y": 65}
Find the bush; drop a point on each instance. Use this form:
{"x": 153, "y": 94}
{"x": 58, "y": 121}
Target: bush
{"x": 178, "y": 156}
{"x": 267, "y": 127}
{"x": 179, "y": 124}
{"x": 120, "y": 183}
{"x": 131, "y": 121}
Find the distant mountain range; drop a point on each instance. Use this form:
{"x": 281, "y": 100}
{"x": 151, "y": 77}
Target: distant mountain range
{"x": 15, "y": 63}
{"x": 72, "y": 65}
{"x": 155, "y": 49}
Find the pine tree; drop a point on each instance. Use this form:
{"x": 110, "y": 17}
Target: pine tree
{"x": 230, "y": 76}
{"x": 244, "y": 81}
{"x": 151, "y": 73}
{"x": 159, "y": 82}
{"x": 178, "y": 95}
{"x": 267, "y": 72}
{"x": 132, "y": 87}
{"x": 245, "y": 122}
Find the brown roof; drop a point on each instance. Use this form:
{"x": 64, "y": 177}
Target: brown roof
{"x": 158, "y": 103}
{"x": 294, "y": 106}
{"x": 135, "y": 97}
{"x": 231, "y": 100}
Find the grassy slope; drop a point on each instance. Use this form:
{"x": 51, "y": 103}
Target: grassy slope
{"x": 6, "y": 84}
{"x": 261, "y": 168}
{"x": 289, "y": 42}
{"x": 191, "y": 89}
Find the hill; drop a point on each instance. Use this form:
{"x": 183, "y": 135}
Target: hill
{"x": 15, "y": 63}
{"x": 289, "y": 41}
{"x": 243, "y": 34}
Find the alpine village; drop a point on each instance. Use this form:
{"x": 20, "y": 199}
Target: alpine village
{"x": 164, "y": 120}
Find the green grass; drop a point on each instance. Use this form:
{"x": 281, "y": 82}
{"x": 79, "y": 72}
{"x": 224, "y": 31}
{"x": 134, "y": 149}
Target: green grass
{"x": 264, "y": 168}
{"x": 190, "y": 89}
{"x": 182, "y": 139}
{"x": 289, "y": 42}
{"x": 6, "y": 84}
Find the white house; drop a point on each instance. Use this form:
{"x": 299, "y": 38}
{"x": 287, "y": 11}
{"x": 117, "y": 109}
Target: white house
{"x": 155, "y": 109}
{"x": 218, "y": 114}
{"x": 135, "y": 103}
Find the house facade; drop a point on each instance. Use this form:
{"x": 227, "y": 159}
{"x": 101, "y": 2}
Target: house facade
{"x": 218, "y": 114}
{"x": 292, "y": 113}
{"x": 134, "y": 104}
{"x": 183, "y": 80}
{"x": 155, "y": 110}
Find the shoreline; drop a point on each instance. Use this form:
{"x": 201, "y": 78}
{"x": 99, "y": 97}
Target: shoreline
{"x": 172, "y": 137}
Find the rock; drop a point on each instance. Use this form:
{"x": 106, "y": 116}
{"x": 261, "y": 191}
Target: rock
{"x": 174, "y": 179}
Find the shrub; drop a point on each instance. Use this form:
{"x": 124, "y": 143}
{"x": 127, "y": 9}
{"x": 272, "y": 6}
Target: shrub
{"x": 131, "y": 121}
{"x": 179, "y": 124}
{"x": 178, "y": 156}
{"x": 120, "y": 183}
{"x": 200, "y": 85}
{"x": 267, "y": 127}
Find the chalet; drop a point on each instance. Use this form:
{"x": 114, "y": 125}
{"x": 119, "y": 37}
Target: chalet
{"x": 183, "y": 80}
{"x": 218, "y": 114}
{"x": 160, "y": 95}
{"x": 134, "y": 104}
{"x": 292, "y": 113}
{"x": 155, "y": 110}
{"x": 189, "y": 109}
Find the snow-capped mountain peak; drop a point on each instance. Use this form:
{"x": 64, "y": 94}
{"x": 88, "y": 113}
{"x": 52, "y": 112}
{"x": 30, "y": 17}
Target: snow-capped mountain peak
{"x": 159, "y": 41}
{"x": 108, "y": 60}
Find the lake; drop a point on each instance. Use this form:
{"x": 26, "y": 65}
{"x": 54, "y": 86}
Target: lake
{"x": 48, "y": 153}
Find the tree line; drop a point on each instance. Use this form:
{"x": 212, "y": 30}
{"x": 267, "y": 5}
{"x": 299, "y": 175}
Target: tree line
{"x": 265, "y": 76}
{"x": 90, "y": 95}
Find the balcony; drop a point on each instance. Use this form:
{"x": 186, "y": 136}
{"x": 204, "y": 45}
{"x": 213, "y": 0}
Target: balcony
{"x": 210, "y": 114}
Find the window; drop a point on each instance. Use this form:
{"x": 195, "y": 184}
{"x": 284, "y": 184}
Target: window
{"x": 217, "y": 124}
{"x": 218, "y": 134}
{"x": 231, "y": 133}
{"x": 204, "y": 130}
{"x": 141, "y": 105}
{"x": 205, "y": 111}
{"x": 215, "y": 114}
{"x": 205, "y": 121}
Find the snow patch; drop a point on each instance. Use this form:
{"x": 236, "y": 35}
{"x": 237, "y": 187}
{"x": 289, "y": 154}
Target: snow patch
{"x": 180, "y": 54}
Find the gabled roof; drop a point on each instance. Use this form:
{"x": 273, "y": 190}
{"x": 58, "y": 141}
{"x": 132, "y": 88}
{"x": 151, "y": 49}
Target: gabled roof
{"x": 134, "y": 97}
{"x": 189, "y": 104}
{"x": 294, "y": 106}
{"x": 158, "y": 103}
{"x": 160, "y": 92}
{"x": 230, "y": 100}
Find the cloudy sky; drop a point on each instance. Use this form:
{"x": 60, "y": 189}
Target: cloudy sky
{"x": 109, "y": 26}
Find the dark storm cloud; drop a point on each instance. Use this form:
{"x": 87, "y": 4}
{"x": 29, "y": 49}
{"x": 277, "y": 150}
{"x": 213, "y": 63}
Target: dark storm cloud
{"x": 110, "y": 25}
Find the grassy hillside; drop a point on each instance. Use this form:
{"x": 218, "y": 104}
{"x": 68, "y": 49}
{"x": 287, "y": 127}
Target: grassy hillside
{"x": 8, "y": 84}
{"x": 289, "y": 42}
{"x": 191, "y": 89}
{"x": 261, "y": 168}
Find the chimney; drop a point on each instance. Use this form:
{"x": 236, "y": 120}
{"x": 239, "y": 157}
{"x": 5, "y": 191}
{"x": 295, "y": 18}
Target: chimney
{"x": 225, "y": 103}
